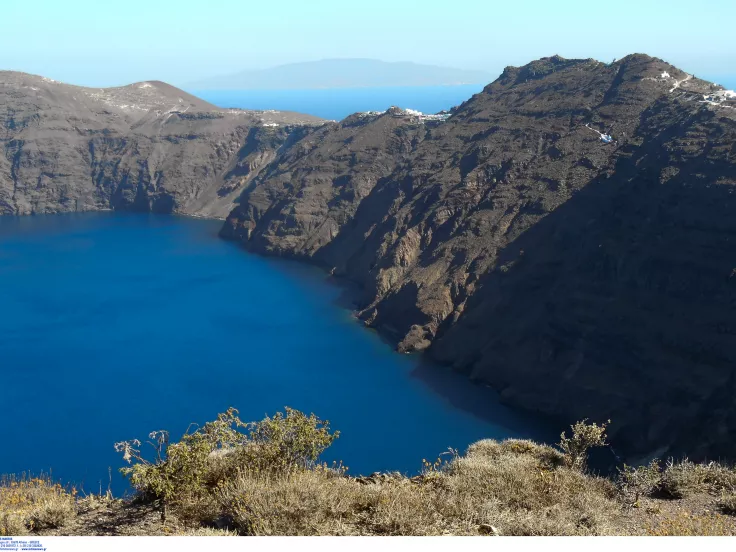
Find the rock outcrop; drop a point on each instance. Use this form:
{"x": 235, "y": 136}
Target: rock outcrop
{"x": 567, "y": 236}
{"x": 147, "y": 146}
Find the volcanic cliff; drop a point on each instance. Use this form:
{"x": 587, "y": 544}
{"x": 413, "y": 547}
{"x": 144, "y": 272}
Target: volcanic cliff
{"x": 146, "y": 147}
{"x": 566, "y": 235}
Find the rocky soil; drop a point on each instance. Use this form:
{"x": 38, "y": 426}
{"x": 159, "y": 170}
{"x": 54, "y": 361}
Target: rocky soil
{"x": 693, "y": 515}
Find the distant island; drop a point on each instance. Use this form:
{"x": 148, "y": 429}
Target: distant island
{"x": 342, "y": 73}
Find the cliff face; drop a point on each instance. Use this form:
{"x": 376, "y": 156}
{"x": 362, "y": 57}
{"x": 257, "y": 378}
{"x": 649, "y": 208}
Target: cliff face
{"x": 567, "y": 235}
{"x": 580, "y": 278}
{"x": 147, "y": 146}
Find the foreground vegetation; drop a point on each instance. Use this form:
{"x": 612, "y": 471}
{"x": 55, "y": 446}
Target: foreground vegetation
{"x": 234, "y": 478}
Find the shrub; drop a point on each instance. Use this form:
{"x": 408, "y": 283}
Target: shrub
{"x": 12, "y": 523}
{"x": 584, "y": 437}
{"x": 31, "y": 503}
{"x": 682, "y": 478}
{"x": 533, "y": 492}
{"x": 175, "y": 474}
{"x": 727, "y": 503}
{"x": 675, "y": 480}
{"x": 633, "y": 483}
{"x": 264, "y": 479}
{"x": 287, "y": 441}
{"x": 294, "y": 503}
{"x": 52, "y": 513}
{"x": 432, "y": 470}
{"x": 184, "y": 474}
{"x": 548, "y": 456}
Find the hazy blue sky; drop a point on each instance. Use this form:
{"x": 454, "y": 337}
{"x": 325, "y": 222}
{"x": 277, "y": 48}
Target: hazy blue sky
{"x": 101, "y": 43}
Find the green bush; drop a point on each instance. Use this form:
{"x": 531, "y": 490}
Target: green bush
{"x": 633, "y": 483}
{"x": 182, "y": 474}
{"x": 584, "y": 437}
{"x": 286, "y": 441}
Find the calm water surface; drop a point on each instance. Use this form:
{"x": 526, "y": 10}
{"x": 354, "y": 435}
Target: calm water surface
{"x": 113, "y": 325}
{"x": 338, "y": 103}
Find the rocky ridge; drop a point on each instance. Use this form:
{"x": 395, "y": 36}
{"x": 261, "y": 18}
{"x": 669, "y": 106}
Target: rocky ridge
{"x": 147, "y": 146}
{"x": 565, "y": 236}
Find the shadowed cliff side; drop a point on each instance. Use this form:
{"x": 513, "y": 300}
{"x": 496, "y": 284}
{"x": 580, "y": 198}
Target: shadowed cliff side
{"x": 621, "y": 301}
{"x": 524, "y": 245}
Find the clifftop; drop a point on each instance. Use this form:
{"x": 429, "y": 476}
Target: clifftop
{"x": 264, "y": 478}
{"x": 131, "y": 99}
{"x": 145, "y": 146}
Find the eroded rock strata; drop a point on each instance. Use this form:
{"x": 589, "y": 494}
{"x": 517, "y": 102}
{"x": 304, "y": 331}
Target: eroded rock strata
{"x": 580, "y": 278}
{"x": 145, "y": 147}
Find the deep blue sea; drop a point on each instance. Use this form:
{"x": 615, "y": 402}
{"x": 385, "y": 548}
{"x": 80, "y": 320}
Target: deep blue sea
{"x": 338, "y": 103}
{"x": 113, "y": 325}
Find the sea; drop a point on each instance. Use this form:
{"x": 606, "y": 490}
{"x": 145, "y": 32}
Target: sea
{"x": 338, "y": 103}
{"x": 114, "y": 325}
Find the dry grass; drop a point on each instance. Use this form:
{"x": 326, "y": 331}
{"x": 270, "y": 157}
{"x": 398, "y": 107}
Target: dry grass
{"x": 687, "y": 525}
{"x": 510, "y": 488}
{"x": 681, "y": 479}
{"x": 531, "y": 491}
{"x": 676, "y": 480}
{"x": 271, "y": 485}
{"x": 207, "y": 532}
{"x": 30, "y": 504}
{"x": 727, "y": 503}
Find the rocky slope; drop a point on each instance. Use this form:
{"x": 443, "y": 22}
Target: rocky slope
{"x": 565, "y": 236}
{"x": 580, "y": 278}
{"x": 147, "y": 146}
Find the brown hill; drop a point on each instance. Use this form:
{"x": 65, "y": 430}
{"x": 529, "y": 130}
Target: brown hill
{"x": 146, "y": 146}
{"x": 580, "y": 278}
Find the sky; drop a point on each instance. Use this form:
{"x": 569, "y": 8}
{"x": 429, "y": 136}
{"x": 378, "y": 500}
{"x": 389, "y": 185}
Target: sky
{"x": 96, "y": 43}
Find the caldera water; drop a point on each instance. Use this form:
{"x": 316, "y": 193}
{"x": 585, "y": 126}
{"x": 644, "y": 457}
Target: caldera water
{"x": 113, "y": 325}
{"x": 338, "y": 103}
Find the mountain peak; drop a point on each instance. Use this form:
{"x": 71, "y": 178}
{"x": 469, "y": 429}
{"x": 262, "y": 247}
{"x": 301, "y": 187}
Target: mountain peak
{"x": 538, "y": 69}
{"x": 633, "y": 74}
